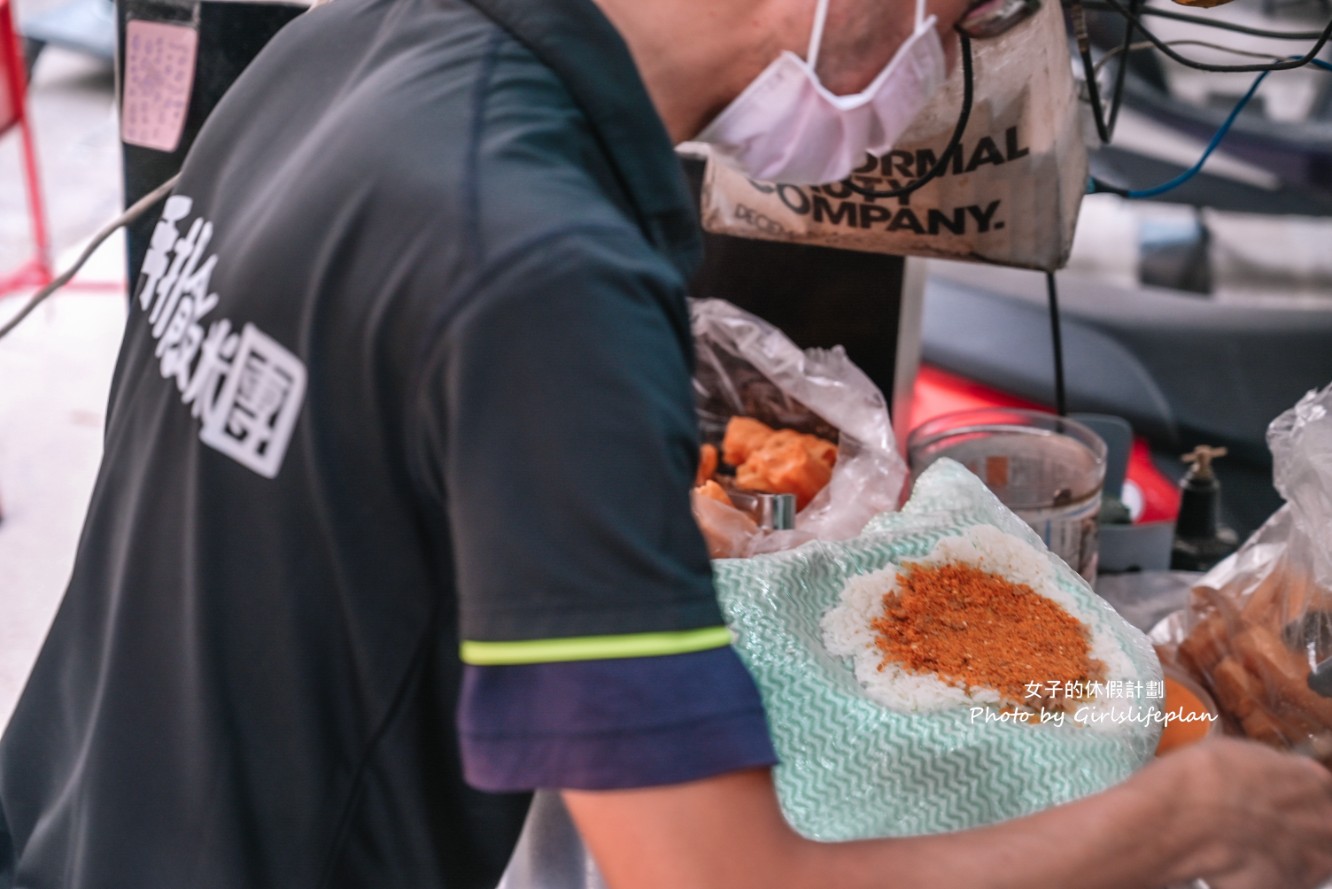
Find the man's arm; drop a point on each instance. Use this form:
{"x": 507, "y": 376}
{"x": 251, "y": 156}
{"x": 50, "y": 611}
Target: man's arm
{"x": 1238, "y": 815}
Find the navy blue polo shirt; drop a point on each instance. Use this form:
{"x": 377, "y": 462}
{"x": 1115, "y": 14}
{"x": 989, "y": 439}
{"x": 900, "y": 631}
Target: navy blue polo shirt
{"x": 393, "y": 521}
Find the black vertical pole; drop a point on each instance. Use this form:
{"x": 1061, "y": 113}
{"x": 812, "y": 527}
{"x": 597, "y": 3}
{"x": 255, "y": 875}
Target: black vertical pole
{"x": 229, "y": 36}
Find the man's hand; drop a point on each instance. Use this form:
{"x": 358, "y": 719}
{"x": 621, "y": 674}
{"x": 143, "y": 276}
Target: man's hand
{"x": 1265, "y": 817}
{"x": 1234, "y": 813}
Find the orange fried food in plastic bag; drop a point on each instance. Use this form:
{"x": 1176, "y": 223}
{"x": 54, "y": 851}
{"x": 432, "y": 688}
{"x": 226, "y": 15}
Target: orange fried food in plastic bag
{"x": 707, "y": 464}
{"x": 713, "y": 491}
{"x": 744, "y": 436}
{"x": 785, "y": 462}
{"x": 822, "y": 449}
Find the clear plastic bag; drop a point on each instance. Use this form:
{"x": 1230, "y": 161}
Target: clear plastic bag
{"x": 748, "y": 368}
{"x": 1258, "y": 631}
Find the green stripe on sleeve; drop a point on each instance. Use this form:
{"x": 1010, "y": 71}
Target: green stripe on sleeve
{"x": 593, "y": 648}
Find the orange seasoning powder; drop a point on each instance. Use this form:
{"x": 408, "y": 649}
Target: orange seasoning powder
{"x": 972, "y": 628}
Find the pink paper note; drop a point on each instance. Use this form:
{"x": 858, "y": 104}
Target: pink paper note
{"x": 159, "y": 74}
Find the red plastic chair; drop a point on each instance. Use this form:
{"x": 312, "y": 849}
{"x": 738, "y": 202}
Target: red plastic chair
{"x": 36, "y": 272}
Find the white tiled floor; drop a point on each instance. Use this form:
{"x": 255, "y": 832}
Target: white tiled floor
{"x": 55, "y": 370}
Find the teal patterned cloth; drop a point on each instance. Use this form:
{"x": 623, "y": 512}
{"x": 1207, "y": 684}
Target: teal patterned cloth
{"x": 851, "y": 768}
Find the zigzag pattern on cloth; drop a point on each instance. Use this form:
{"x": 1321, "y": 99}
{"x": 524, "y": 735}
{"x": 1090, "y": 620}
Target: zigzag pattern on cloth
{"x": 852, "y": 768}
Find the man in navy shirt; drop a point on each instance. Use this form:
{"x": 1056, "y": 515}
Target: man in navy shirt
{"x": 393, "y": 521}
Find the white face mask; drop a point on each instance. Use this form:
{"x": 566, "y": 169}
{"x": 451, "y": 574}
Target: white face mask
{"x": 787, "y": 127}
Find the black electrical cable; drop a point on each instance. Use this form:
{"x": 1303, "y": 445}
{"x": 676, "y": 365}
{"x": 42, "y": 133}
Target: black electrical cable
{"x": 1105, "y": 124}
{"x": 1094, "y": 96}
{"x": 1057, "y": 341}
{"x": 954, "y": 141}
{"x": 1135, "y": 7}
{"x": 1102, "y": 6}
{"x": 1118, "y": 51}
{"x": 1168, "y": 52}
{"x": 1212, "y": 145}
{"x": 1083, "y": 41}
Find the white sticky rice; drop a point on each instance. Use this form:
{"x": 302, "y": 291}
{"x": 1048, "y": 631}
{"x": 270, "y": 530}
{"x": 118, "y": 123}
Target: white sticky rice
{"x": 847, "y": 631}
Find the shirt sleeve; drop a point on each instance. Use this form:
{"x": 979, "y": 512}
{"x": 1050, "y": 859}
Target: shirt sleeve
{"x": 560, "y": 427}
